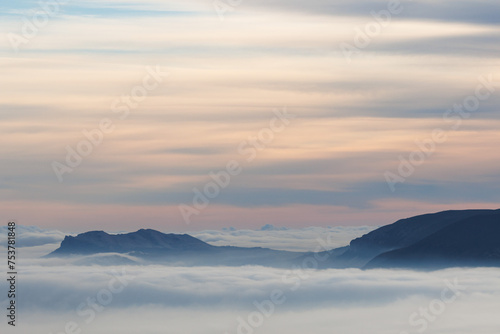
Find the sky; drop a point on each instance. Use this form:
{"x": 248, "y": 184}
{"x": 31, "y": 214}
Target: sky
{"x": 97, "y": 299}
{"x": 305, "y": 113}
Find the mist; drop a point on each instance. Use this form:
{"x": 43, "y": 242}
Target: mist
{"x": 56, "y": 296}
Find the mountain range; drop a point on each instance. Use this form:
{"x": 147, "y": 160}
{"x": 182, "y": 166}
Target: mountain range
{"x": 150, "y": 246}
{"x": 429, "y": 241}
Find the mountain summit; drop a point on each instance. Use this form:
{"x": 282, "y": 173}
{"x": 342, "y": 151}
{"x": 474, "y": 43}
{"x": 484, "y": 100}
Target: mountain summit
{"x": 140, "y": 241}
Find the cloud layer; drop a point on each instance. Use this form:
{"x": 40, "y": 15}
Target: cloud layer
{"x": 54, "y": 293}
{"x": 320, "y": 301}
{"x": 298, "y": 240}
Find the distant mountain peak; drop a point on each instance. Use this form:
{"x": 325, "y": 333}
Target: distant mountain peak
{"x": 148, "y": 231}
{"x": 139, "y": 241}
{"x": 152, "y": 246}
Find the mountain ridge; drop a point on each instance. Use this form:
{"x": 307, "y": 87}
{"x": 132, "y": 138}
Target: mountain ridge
{"x": 402, "y": 233}
{"x": 141, "y": 240}
{"x": 156, "y": 247}
{"x": 453, "y": 245}
{"x": 434, "y": 240}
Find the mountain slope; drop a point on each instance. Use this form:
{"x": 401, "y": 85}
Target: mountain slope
{"x": 140, "y": 241}
{"x": 402, "y": 233}
{"x": 155, "y": 247}
{"x": 474, "y": 241}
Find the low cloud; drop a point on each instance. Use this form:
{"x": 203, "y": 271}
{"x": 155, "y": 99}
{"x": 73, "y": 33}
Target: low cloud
{"x": 304, "y": 239}
{"x": 53, "y": 292}
{"x": 30, "y": 236}
{"x": 167, "y": 299}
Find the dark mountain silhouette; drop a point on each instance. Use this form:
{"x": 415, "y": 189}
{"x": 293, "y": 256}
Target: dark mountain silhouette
{"x": 155, "y": 247}
{"x": 474, "y": 241}
{"x": 430, "y": 241}
{"x": 402, "y": 233}
{"x": 147, "y": 241}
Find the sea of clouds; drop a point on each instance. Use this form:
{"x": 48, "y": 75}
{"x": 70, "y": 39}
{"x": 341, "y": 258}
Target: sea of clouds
{"x": 283, "y": 238}
{"x": 55, "y": 296}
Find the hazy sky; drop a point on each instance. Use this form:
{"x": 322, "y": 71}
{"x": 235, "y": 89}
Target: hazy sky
{"x": 361, "y": 91}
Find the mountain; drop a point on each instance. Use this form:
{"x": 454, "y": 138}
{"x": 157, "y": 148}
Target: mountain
{"x": 430, "y": 241}
{"x": 145, "y": 241}
{"x": 150, "y": 246}
{"x": 400, "y": 234}
{"x": 474, "y": 241}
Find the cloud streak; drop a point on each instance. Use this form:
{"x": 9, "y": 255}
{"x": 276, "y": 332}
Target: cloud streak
{"x": 352, "y": 121}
